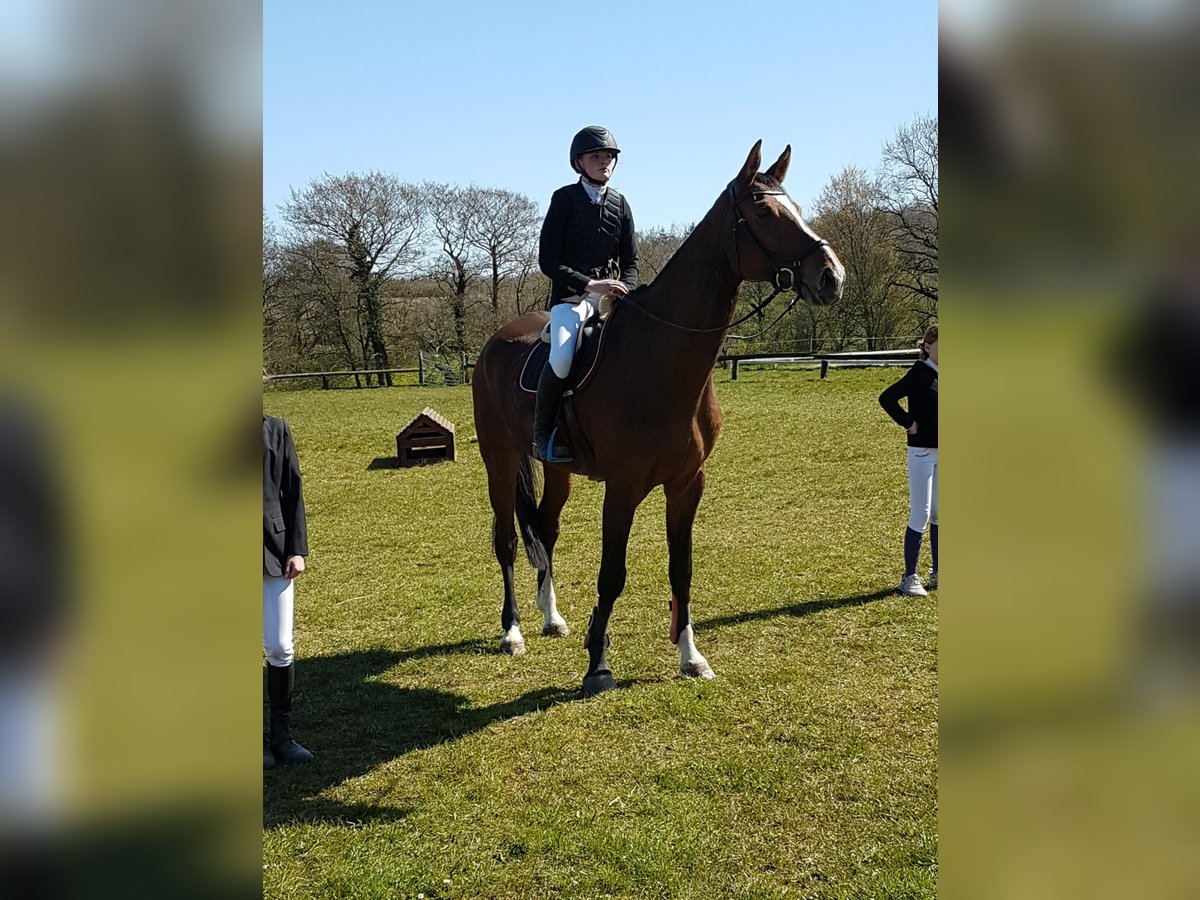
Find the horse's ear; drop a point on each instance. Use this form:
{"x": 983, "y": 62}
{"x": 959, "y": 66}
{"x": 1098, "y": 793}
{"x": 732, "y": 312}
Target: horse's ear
{"x": 753, "y": 161}
{"x": 779, "y": 167}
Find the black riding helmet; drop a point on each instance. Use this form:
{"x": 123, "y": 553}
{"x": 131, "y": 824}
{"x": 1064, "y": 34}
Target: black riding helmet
{"x": 592, "y": 138}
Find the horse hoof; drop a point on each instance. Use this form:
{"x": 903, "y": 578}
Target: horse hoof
{"x": 595, "y": 684}
{"x": 698, "y": 670}
{"x": 556, "y": 629}
{"x": 512, "y": 647}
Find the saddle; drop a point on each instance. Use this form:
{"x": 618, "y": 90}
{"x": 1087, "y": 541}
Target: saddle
{"x": 582, "y": 366}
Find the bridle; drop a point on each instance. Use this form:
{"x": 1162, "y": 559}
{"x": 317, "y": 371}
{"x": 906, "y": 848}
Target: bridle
{"x": 776, "y": 280}
{"x": 792, "y": 265}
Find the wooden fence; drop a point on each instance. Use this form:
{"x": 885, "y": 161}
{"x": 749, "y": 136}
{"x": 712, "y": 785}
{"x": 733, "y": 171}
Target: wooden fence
{"x": 849, "y": 359}
{"x": 421, "y": 371}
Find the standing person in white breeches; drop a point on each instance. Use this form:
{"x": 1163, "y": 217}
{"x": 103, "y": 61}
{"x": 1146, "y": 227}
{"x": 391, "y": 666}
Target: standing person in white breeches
{"x": 36, "y": 562}
{"x": 285, "y": 544}
{"x": 588, "y": 250}
{"x": 920, "y": 386}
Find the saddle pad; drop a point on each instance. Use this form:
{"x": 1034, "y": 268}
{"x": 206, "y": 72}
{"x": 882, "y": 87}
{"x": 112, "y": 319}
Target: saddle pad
{"x": 581, "y": 367}
{"x": 534, "y": 363}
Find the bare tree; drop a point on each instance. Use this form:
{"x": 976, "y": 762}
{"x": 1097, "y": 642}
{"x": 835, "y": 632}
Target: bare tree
{"x": 531, "y": 289}
{"x": 323, "y": 298}
{"x": 457, "y": 265}
{"x": 850, "y": 215}
{"x": 273, "y": 280}
{"x": 656, "y": 247}
{"x": 272, "y": 261}
{"x": 376, "y": 223}
{"x": 304, "y": 292}
{"x": 814, "y": 326}
{"x": 909, "y": 182}
{"x": 503, "y": 226}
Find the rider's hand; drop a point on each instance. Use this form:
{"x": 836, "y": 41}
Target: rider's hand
{"x": 608, "y": 287}
{"x": 293, "y": 567}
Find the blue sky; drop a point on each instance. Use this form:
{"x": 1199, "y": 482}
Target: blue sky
{"x": 464, "y": 91}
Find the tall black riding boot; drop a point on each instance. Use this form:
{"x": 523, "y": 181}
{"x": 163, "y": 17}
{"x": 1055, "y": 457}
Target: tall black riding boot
{"x": 548, "y": 445}
{"x": 279, "y": 695}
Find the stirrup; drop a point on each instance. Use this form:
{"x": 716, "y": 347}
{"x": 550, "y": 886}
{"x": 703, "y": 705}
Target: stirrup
{"x": 547, "y": 452}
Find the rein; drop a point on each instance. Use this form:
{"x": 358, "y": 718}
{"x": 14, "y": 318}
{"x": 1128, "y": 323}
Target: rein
{"x": 627, "y": 302}
{"x": 776, "y": 279}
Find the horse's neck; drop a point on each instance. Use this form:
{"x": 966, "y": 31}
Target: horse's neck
{"x": 697, "y": 286}
{"x": 695, "y": 289}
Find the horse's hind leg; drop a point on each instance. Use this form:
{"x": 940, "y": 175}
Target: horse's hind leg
{"x": 556, "y": 490}
{"x": 502, "y": 486}
{"x": 683, "y": 498}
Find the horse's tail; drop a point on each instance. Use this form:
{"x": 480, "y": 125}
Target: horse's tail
{"x": 527, "y": 485}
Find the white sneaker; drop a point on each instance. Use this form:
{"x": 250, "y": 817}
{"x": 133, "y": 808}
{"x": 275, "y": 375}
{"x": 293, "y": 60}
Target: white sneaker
{"x": 932, "y": 582}
{"x": 911, "y": 586}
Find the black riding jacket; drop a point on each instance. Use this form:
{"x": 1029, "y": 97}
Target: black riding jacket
{"x": 920, "y": 386}
{"x": 582, "y": 241}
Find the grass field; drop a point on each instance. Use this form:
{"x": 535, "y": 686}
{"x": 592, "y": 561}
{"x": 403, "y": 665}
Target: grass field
{"x": 808, "y": 768}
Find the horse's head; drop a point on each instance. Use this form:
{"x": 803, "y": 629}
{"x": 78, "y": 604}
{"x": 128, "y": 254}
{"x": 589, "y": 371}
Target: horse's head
{"x": 772, "y": 242}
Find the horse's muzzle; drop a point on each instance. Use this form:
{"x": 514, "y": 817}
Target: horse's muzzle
{"x": 829, "y": 284}
{"x": 827, "y": 289}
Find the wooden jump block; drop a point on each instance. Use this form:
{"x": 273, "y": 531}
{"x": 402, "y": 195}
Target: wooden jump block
{"x": 429, "y": 438}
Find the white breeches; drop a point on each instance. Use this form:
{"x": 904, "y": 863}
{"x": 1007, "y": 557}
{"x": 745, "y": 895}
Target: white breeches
{"x": 30, "y": 750}
{"x": 566, "y": 323}
{"x": 922, "y": 487}
{"x": 1174, "y": 521}
{"x": 278, "y": 605}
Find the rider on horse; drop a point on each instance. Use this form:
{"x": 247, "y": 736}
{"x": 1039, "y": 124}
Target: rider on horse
{"x": 588, "y": 251}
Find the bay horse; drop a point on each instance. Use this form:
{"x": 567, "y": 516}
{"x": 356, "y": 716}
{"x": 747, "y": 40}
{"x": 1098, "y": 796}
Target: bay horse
{"x": 649, "y": 415}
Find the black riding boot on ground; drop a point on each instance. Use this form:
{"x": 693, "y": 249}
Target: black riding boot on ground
{"x": 547, "y": 442}
{"x": 279, "y": 694}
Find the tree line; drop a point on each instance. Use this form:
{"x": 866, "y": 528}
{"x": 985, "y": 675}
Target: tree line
{"x": 365, "y": 270}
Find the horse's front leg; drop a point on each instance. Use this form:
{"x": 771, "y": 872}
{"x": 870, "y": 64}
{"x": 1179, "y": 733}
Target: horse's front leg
{"x": 619, "y": 506}
{"x": 683, "y": 498}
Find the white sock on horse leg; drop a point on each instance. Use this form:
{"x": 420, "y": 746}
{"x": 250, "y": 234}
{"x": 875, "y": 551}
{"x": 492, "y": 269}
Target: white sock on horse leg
{"x": 513, "y": 641}
{"x": 553, "y": 624}
{"x": 691, "y": 663}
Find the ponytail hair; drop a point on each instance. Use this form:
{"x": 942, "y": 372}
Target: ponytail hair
{"x": 931, "y": 336}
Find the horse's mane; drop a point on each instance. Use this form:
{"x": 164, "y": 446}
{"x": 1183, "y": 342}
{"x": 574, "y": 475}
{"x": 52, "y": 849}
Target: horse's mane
{"x": 770, "y": 182}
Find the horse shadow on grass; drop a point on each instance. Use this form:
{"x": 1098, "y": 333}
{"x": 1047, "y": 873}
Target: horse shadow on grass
{"x": 353, "y": 722}
{"x": 796, "y": 610}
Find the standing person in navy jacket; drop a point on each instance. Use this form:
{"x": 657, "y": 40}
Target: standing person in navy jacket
{"x": 920, "y": 386}
{"x": 588, "y": 250}
{"x": 285, "y": 544}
